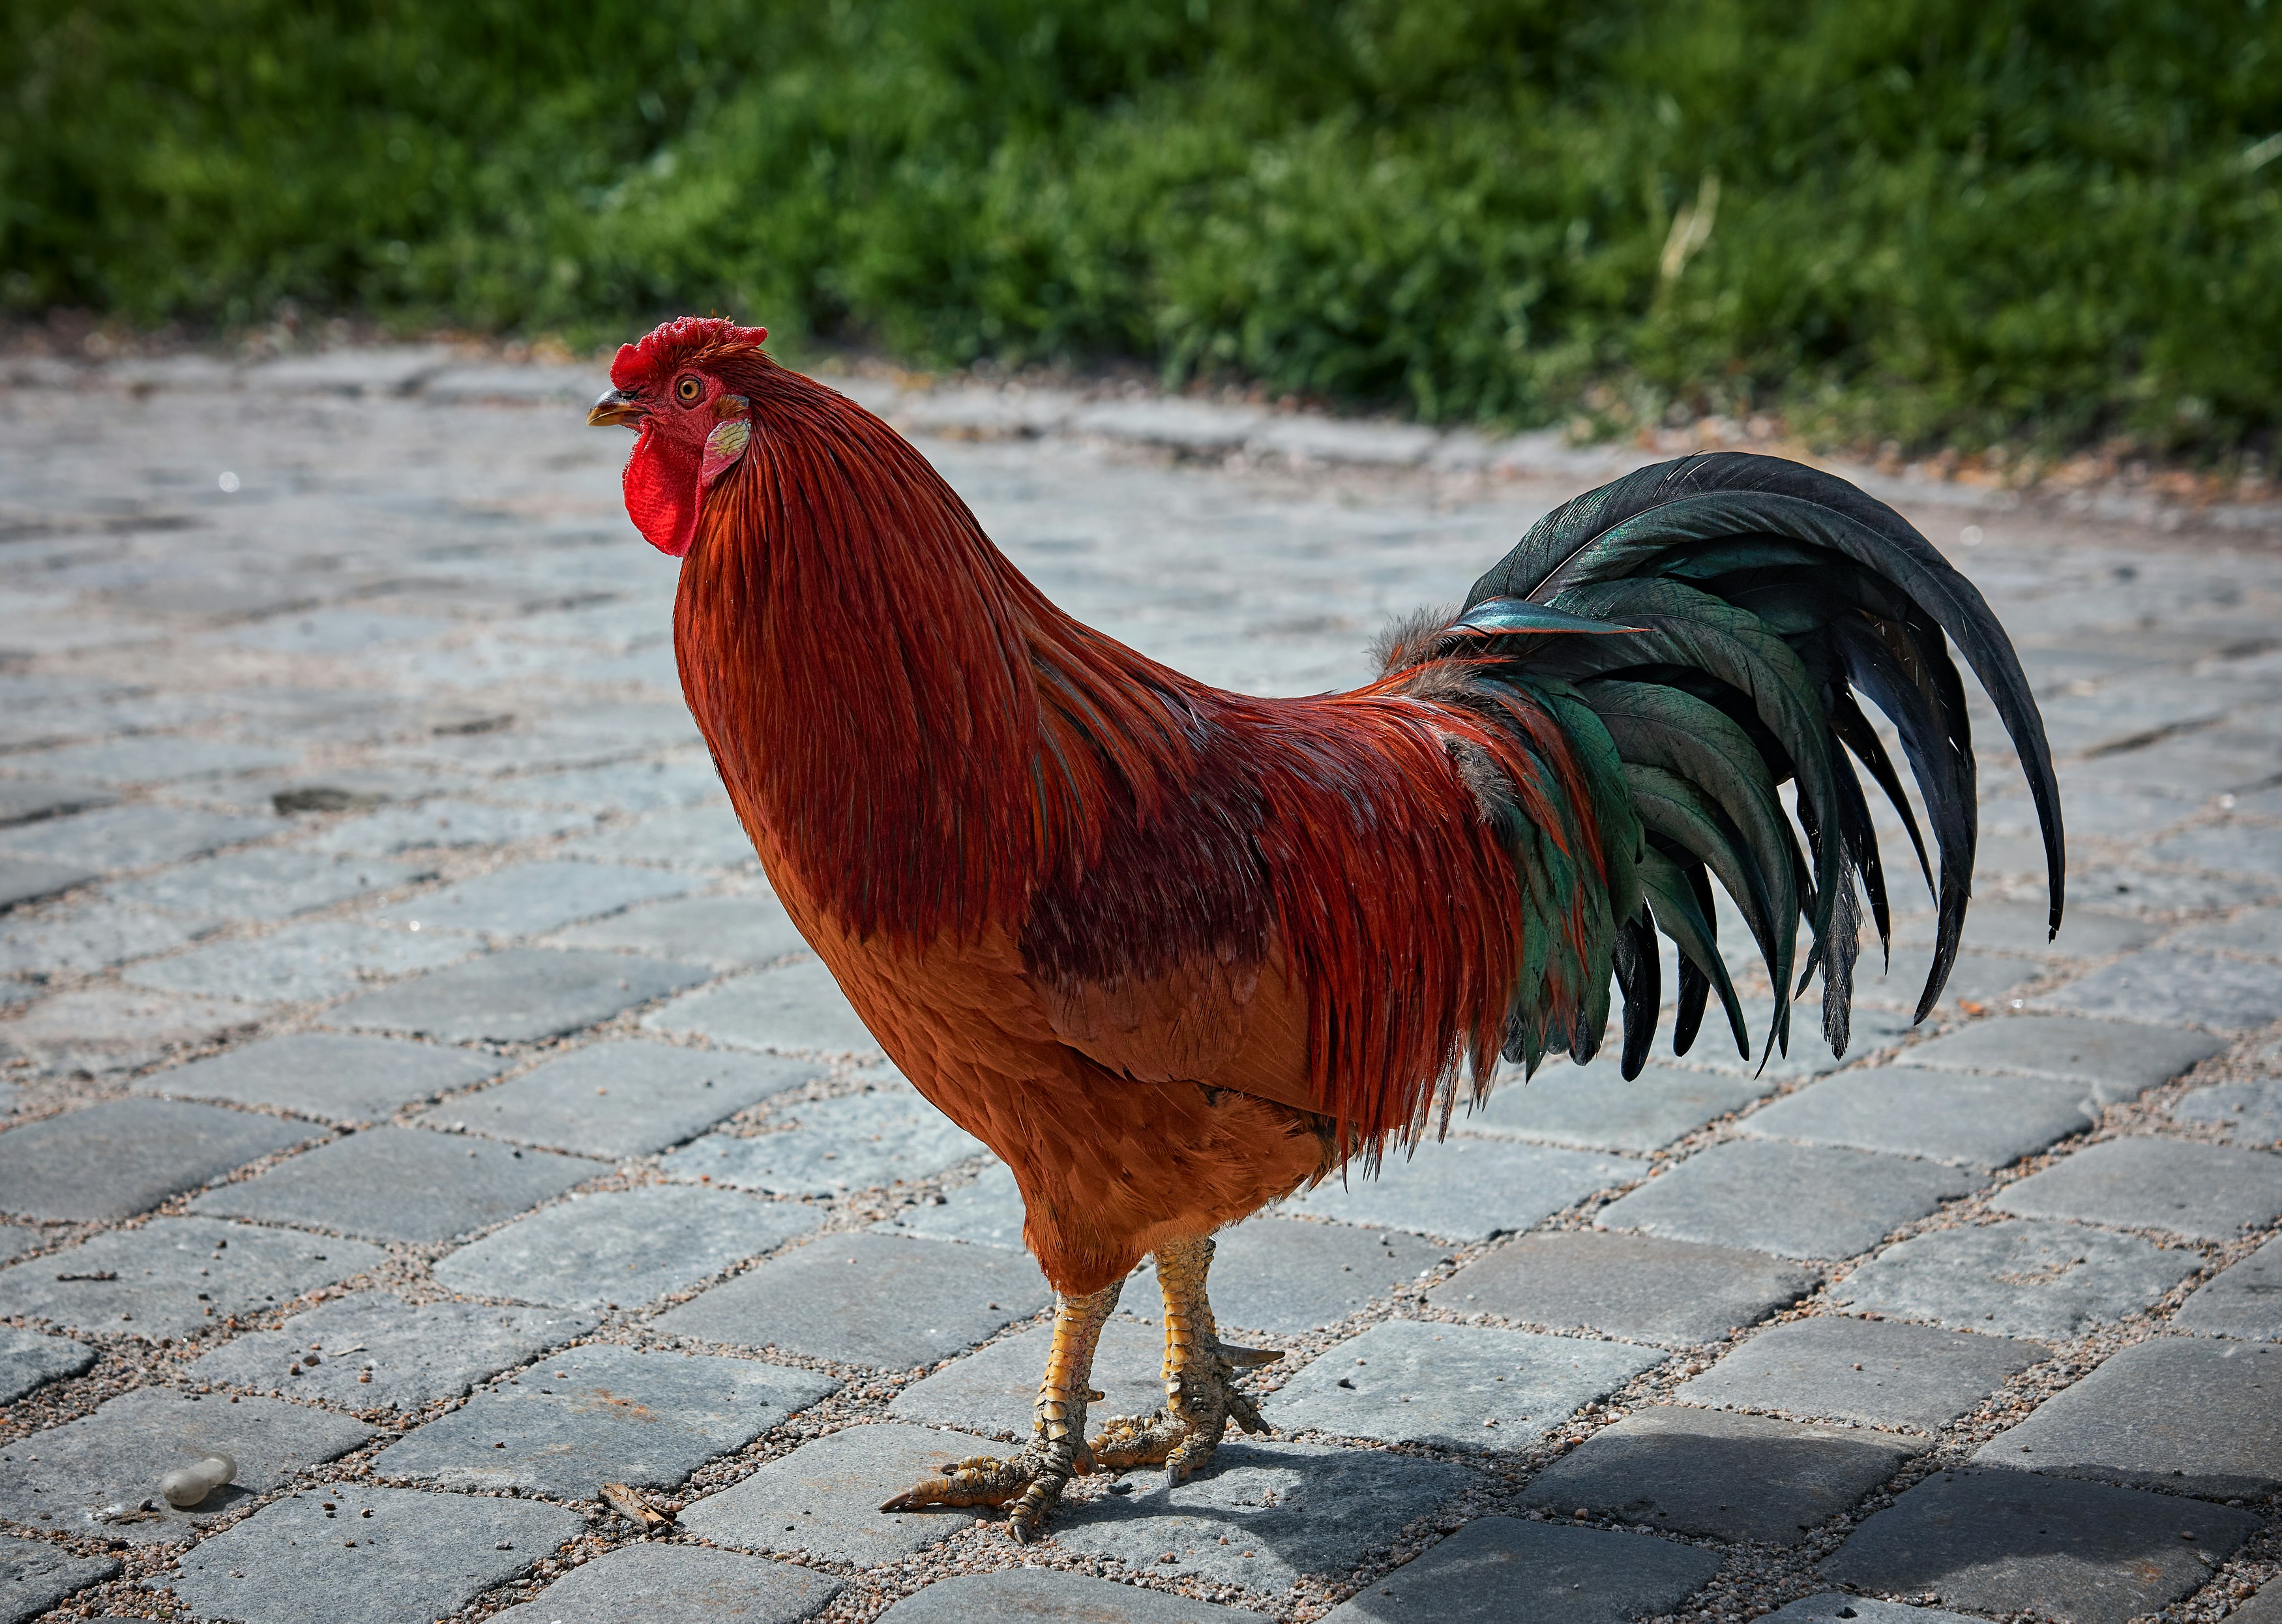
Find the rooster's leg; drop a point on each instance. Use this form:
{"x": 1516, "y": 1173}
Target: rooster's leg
{"x": 1200, "y": 1392}
{"x": 1033, "y": 1480}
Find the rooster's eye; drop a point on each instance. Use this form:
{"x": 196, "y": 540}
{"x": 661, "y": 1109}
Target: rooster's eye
{"x": 688, "y": 389}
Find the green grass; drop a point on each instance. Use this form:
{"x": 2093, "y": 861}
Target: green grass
{"x": 1932, "y": 219}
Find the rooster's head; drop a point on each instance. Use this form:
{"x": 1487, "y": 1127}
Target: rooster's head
{"x": 685, "y": 390}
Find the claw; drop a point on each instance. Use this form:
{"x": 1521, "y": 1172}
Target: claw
{"x": 1248, "y": 1359}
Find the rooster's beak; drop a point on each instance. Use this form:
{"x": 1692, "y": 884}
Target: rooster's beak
{"x": 615, "y": 406}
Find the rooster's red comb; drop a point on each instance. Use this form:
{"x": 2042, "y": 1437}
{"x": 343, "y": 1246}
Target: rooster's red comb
{"x": 671, "y": 343}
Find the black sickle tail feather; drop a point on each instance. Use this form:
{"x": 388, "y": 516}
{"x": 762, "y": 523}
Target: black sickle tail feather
{"x": 1706, "y": 629}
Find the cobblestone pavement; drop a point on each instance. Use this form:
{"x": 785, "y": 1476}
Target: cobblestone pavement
{"x": 411, "y": 1090}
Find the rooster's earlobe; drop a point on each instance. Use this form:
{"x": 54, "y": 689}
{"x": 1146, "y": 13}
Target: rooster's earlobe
{"x": 723, "y": 447}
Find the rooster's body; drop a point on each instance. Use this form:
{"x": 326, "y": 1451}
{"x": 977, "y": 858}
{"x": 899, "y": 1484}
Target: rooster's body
{"x": 1173, "y": 952}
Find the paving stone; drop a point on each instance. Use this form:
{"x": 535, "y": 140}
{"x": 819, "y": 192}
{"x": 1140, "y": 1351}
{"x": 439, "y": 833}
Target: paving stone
{"x": 1979, "y": 1122}
{"x": 1470, "y": 1189}
{"x": 101, "y": 1029}
{"x": 35, "y": 1576}
{"x": 1498, "y": 1569}
{"x": 450, "y": 823}
{"x": 797, "y": 1007}
{"x": 131, "y": 836}
{"x": 1299, "y": 1509}
{"x": 334, "y": 632}
{"x": 1871, "y": 1029}
{"x": 1672, "y": 1292}
{"x": 993, "y": 1390}
{"x": 823, "y": 1499}
{"x": 866, "y": 1299}
{"x": 1879, "y": 1372}
{"x": 2212, "y": 1191}
{"x": 673, "y": 1584}
{"x": 1286, "y": 1276}
{"x": 517, "y": 995}
{"x": 414, "y": 1354}
{"x": 1459, "y": 1387}
{"x": 1838, "y": 1608}
{"x": 855, "y": 1142}
{"x": 151, "y": 759}
{"x": 266, "y": 882}
{"x": 1792, "y": 1200}
{"x": 24, "y": 801}
{"x": 2051, "y": 1281}
{"x": 530, "y": 898}
{"x": 29, "y": 1360}
{"x": 331, "y": 1075}
{"x": 2007, "y": 1542}
{"x": 988, "y": 1212}
{"x": 1043, "y": 1596}
{"x": 415, "y": 1556}
{"x": 1981, "y": 978}
{"x": 2203, "y": 1417}
{"x": 623, "y": 1246}
{"x": 1994, "y": 923}
{"x": 1734, "y": 1477}
{"x": 2131, "y": 887}
{"x": 622, "y": 1416}
{"x": 173, "y": 1275}
{"x": 67, "y": 1477}
{"x": 1593, "y": 1107}
{"x": 2258, "y": 931}
{"x": 2264, "y": 1608}
{"x": 32, "y": 879}
{"x": 120, "y": 1157}
{"x": 694, "y": 837}
{"x": 2117, "y": 1061}
{"x": 622, "y": 1098}
{"x": 626, "y": 785}
{"x": 402, "y": 1184}
{"x": 2231, "y": 847}
{"x": 88, "y": 936}
{"x": 302, "y": 962}
{"x": 2244, "y": 1298}
{"x": 742, "y": 928}
{"x": 2225, "y": 995}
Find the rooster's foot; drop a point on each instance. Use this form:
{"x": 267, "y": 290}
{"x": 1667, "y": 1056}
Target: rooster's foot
{"x": 1030, "y": 1481}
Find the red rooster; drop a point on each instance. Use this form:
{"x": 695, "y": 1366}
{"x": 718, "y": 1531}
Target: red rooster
{"x": 1174, "y": 953}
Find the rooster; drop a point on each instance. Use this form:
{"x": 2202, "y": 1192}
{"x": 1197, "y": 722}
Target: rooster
{"x": 1174, "y": 953}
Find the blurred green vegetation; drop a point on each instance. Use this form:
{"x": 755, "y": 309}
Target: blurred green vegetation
{"x": 1955, "y": 220}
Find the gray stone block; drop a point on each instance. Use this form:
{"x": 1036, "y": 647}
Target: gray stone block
{"x": 1499, "y": 1569}
{"x": 335, "y": 631}
{"x": 1593, "y": 1107}
{"x": 29, "y": 1360}
{"x": 517, "y": 996}
{"x": 1795, "y": 1200}
{"x": 1459, "y": 1387}
{"x": 993, "y": 1390}
{"x": 1978, "y": 1122}
{"x": 416, "y": 1556}
{"x": 867, "y": 1299}
{"x": 740, "y": 930}
{"x": 2009, "y": 1541}
{"x": 797, "y": 1007}
{"x": 988, "y": 1212}
{"x": 102, "y": 1028}
{"x": 855, "y": 1142}
{"x": 326, "y": 959}
{"x": 676, "y": 1584}
{"x": 1287, "y": 1510}
{"x": 120, "y": 1157}
{"x": 622, "y": 1098}
{"x": 266, "y": 882}
{"x": 2250, "y": 1113}
{"x": 330, "y": 1076}
{"x": 823, "y": 1499}
{"x": 623, "y": 1246}
{"x": 2134, "y": 888}
{"x": 701, "y": 838}
{"x": 25, "y": 801}
{"x": 2021, "y": 928}
{"x": 1871, "y": 1029}
{"x": 130, "y": 836}
{"x": 2205, "y": 990}
{"x": 88, "y": 936}
{"x": 402, "y": 1184}
{"x": 2258, "y": 931}
{"x": 1286, "y": 1276}
{"x": 601, "y": 1413}
{"x": 153, "y": 759}
{"x": 1470, "y": 1189}
{"x": 530, "y": 898}
{"x": 173, "y": 1276}
{"x": 412, "y": 1355}
{"x": 2264, "y": 1608}
{"x": 35, "y": 1576}
{"x": 2211, "y": 1191}
{"x": 624, "y": 787}
{"x": 449, "y": 823}
{"x": 88, "y": 1477}
{"x": 2231, "y": 847}
{"x": 2245, "y": 1299}
{"x": 30, "y": 879}
{"x": 2202, "y": 1417}
{"x": 1672, "y": 1292}
{"x": 1976, "y": 978}
{"x": 1879, "y": 1372}
{"x": 2116, "y": 1061}
{"x": 2053, "y": 1281}
{"x": 1734, "y": 1477}
{"x": 1838, "y": 1608}
{"x": 1043, "y": 1596}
